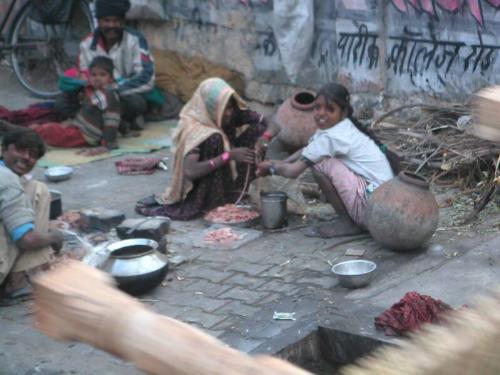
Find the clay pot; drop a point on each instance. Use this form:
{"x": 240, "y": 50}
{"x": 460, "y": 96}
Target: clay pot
{"x": 295, "y": 118}
{"x": 402, "y": 214}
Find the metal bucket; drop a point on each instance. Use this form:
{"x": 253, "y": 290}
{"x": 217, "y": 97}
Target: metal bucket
{"x": 273, "y": 206}
{"x": 55, "y": 204}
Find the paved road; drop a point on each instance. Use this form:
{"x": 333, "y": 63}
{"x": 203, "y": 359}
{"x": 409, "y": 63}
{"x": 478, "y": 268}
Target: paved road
{"x": 232, "y": 294}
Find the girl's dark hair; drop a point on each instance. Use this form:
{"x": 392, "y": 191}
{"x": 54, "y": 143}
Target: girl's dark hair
{"x": 102, "y": 62}
{"x": 334, "y": 92}
{"x": 25, "y": 139}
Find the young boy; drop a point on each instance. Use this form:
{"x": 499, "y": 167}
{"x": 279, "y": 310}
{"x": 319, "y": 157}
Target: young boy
{"x": 97, "y": 122}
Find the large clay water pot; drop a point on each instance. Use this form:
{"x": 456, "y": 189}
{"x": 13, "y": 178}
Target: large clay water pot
{"x": 296, "y": 121}
{"x": 402, "y": 214}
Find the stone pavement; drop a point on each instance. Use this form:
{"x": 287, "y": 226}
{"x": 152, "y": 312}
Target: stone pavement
{"x": 232, "y": 294}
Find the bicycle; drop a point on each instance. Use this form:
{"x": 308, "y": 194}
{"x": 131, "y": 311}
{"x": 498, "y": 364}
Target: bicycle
{"x": 40, "y": 49}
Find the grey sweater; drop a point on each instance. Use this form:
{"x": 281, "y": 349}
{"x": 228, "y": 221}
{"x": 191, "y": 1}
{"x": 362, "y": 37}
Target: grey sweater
{"x": 15, "y": 208}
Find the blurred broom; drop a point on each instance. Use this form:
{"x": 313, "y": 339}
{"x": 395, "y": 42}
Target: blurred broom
{"x": 486, "y": 114}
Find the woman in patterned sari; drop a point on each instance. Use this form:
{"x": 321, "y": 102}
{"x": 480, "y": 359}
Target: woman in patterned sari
{"x": 214, "y": 145}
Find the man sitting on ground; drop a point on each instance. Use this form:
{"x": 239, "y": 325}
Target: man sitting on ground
{"x": 133, "y": 62}
{"x": 25, "y": 239}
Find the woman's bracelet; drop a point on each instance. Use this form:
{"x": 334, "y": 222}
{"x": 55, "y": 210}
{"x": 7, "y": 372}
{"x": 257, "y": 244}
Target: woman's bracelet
{"x": 267, "y": 136}
{"x": 225, "y": 157}
{"x": 272, "y": 169}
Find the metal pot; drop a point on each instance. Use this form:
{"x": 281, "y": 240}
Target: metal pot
{"x": 55, "y": 204}
{"x": 273, "y": 206}
{"x": 136, "y": 265}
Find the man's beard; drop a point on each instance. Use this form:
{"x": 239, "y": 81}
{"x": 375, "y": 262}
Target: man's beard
{"x": 112, "y": 33}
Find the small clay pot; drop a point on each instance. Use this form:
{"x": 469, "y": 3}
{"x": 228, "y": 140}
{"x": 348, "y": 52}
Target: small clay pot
{"x": 402, "y": 214}
{"x": 295, "y": 118}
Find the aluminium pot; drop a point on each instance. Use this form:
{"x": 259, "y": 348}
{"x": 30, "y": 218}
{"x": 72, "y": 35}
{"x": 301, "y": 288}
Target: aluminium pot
{"x": 402, "y": 214}
{"x": 136, "y": 264}
{"x": 274, "y": 210}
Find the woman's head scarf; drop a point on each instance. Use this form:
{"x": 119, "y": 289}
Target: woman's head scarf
{"x": 200, "y": 118}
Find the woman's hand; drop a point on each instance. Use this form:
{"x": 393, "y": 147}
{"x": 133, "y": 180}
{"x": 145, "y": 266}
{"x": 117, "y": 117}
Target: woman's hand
{"x": 243, "y": 155}
{"x": 260, "y": 149}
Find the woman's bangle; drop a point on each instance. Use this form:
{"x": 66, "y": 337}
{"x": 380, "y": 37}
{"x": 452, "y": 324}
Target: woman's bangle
{"x": 225, "y": 157}
{"x": 272, "y": 169}
{"x": 267, "y": 136}
{"x": 212, "y": 164}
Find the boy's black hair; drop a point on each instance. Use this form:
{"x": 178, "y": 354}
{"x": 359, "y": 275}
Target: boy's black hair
{"x": 25, "y": 139}
{"x": 102, "y": 62}
{"x": 335, "y": 92}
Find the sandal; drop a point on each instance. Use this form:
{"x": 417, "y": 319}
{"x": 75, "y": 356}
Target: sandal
{"x": 149, "y": 201}
{"x": 17, "y": 296}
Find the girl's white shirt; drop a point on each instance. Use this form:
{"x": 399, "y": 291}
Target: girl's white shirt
{"x": 355, "y": 149}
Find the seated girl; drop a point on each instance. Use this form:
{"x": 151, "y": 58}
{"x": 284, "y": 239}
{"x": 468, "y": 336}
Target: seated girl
{"x": 214, "y": 150}
{"x": 345, "y": 158}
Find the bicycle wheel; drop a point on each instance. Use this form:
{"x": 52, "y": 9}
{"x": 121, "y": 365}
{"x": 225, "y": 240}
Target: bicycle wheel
{"x": 42, "y": 52}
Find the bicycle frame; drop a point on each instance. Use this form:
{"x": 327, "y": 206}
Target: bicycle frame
{"x": 3, "y": 36}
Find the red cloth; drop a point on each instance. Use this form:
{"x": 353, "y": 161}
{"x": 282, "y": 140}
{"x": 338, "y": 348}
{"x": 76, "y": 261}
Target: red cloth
{"x": 28, "y": 116}
{"x": 58, "y": 135}
{"x": 134, "y": 166}
{"x": 410, "y": 313}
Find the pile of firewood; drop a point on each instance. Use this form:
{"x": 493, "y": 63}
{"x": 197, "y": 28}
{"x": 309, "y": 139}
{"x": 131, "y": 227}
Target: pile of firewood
{"x": 440, "y": 145}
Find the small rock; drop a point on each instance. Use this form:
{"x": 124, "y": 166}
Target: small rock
{"x": 154, "y": 228}
{"x": 464, "y": 122}
{"x": 436, "y": 249}
{"x": 100, "y": 219}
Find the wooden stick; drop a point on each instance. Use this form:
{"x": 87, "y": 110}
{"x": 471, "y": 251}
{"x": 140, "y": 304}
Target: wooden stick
{"x": 77, "y": 302}
{"x": 245, "y": 186}
{"x": 427, "y": 159}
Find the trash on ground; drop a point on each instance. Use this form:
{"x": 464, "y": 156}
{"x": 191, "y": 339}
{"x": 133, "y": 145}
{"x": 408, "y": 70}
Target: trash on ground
{"x": 355, "y": 252}
{"x": 284, "y": 316}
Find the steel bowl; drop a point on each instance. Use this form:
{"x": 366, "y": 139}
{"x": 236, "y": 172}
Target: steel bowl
{"x": 136, "y": 265}
{"x": 354, "y": 273}
{"x": 56, "y": 174}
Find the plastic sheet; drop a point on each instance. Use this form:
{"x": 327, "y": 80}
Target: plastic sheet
{"x": 293, "y": 26}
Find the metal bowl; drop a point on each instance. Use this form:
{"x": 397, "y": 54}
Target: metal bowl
{"x": 136, "y": 265}
{"x": 56, "y": 174}
{"x": 354, "y": 273}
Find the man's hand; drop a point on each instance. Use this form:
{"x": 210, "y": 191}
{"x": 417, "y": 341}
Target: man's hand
{"x": 57, "y": 239}
{"x": 243, "y": 155}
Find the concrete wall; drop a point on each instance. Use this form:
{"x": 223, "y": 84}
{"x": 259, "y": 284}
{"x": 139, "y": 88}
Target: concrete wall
{"x": 442, "y": 48}
{"x": 401, "y": 49}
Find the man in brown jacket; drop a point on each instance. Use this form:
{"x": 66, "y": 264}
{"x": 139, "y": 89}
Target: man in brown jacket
{"x": 25, "y": 239}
